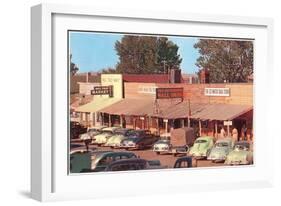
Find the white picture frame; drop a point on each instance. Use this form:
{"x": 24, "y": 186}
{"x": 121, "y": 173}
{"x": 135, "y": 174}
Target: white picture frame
{"x": 49, "y": 178}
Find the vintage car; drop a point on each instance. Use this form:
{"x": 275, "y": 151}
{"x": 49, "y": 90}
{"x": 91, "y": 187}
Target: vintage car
{"x": 221, "y": 149}
{"x": 104, "y": 135}
{"x": 139, "y": 139}
{"x": 162, "y": 145}
{"x": 242, "y": 154}
{"x": 101, "y": 160}
{"x": 76, "y": 129}
{"x": 119, "y": 135}
{"x": 183, "y": 162}
{"x": 201, "y": 147}
{"x": 134, "y": 164}
{"x": 91, "y": 132}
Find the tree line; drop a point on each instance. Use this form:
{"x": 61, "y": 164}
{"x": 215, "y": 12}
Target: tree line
{"x": 225, "y": 60}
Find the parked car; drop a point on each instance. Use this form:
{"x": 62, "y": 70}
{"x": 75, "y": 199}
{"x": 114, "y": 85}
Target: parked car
{"x": 80, "y": 160}
{"x": 119, "y": 135}
{"x": 133, "y": 164}
{"x": 221, "y": 149}
{"x": 183, "y": 162}
{"x": 242, "y": 154}
{"x": 76, "y": 129}
{"x": 104, "y": 135}
{"x": 101, "y": 160}
{"x": 91, "y": 132}
{"x": 162, "y": 145}
{"x": 201, "y": 147}
{"x": 139, "y": 139}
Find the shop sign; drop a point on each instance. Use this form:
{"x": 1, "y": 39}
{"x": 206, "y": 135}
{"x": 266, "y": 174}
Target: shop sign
{"x": 227, "y": 123}
{"x": 221, "y": 92}
{"x": 169, "y": 93}
{"x": 103, "y": 90}
{"x": 147, "y": 89}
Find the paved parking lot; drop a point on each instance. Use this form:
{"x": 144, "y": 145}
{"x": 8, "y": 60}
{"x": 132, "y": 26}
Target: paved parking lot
{"x": 167, "y": 160}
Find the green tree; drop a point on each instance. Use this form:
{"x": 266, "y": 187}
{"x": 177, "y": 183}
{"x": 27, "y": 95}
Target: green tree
{"x": 226, "y": 60}
{"x": 73, "y": 67}
{"x": 146, "y": 54}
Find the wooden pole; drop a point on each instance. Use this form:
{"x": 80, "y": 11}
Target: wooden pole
{"x": 200, "y": 132}
{"x": 121, "y": 121}
{"x": 109, "y": 120}
{"x": 216, "y": 129}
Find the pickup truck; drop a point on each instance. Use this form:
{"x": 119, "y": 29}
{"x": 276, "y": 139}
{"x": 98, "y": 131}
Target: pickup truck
{"x": 181, "y": 140}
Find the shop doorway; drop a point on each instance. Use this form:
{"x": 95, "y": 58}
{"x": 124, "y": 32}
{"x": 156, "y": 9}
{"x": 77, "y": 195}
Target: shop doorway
{"x": 238, "y": 124}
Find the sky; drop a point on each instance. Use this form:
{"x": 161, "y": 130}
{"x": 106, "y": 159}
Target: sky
{"x": 93, "y": 51}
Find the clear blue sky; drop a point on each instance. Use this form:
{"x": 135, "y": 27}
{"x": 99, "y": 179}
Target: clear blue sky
{"x": 95, "y": 51}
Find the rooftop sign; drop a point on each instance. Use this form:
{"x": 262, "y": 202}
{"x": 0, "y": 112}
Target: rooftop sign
{"x": 103, "y": 90}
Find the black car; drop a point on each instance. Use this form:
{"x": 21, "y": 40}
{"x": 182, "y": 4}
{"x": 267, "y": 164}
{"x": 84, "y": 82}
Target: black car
{"x": 139, "y": 139}
{"x": 76, "y": 129}
{"x": 183, "y": 162}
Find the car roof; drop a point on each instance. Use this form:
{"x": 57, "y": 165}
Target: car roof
{"x": 110, "y": 128}
{"x": 205, "y": 138}
{"x": 97, "y": 127}
{"x": 245, "y": 143}
{"x": 123, "y": 129}
{"x": 129, "y": 161}
{"x": 227, "y": 139}
{"x": 121, "y": 152}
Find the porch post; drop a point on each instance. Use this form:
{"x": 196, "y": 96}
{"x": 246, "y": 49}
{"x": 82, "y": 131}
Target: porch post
{"x": 200, "y": 128}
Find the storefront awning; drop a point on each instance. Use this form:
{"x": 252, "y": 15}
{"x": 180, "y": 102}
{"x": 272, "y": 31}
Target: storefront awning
{"x": 221, "y": 111}
{"x": 138, "y": 107}
{"x": 176, "y": 110}
{"x": 97, "y": 104}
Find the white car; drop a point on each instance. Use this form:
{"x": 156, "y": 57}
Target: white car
{"x": 162, "y": 145}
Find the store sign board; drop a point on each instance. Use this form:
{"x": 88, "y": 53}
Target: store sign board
{"x": 220, "y": 92}
{"x": 147, "y": 89}
{"x": 227, "y": 123}
{"x": 103, "y": 90}
{"x": 169, "y": 93}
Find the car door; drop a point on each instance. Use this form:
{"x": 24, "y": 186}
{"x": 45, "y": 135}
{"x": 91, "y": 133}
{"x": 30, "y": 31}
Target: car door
{"x": 104, "y": 162}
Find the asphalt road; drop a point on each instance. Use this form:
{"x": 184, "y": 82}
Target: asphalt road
{"x": 167, "y": 160}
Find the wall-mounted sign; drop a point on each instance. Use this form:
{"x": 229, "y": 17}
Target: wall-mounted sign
{"x": 103, "y": 90}
{"x": 169, "y": 93}
{"x": 222, "y": 92}
{"x": 147, "y": 89}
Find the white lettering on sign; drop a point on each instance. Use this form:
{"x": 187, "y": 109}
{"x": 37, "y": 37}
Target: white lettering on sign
{"x": 225, "y": 92}
{"x": 147, "y": 89}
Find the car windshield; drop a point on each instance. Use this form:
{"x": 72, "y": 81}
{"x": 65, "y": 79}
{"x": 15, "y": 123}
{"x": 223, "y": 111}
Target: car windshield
{"x": 240, "y": 147}
{"x": 135, "y": 135}
{"x": 92, "y": 130}
{"x": 106, "y": 132}
{"x": 221, "y": 144}
{"x": 163, "y": 142}
{"x": 121, "y": 131}
{"x": 199, "y": 141}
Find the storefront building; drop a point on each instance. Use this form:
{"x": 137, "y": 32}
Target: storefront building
{"x": 206, "y": 107}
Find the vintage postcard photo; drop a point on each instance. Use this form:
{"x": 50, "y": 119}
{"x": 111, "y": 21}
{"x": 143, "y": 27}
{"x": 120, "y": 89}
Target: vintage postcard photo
{"x": 147, "y": 101}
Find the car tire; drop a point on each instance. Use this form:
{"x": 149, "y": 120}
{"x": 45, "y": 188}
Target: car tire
{"x": 158, "y": 153}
